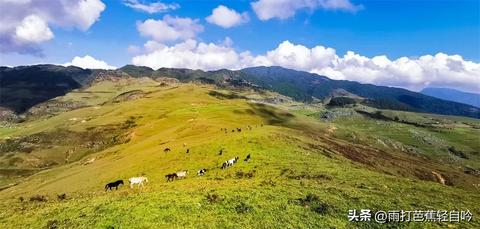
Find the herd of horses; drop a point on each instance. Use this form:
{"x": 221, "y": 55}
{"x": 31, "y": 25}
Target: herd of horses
{"x": 139, "y": 181}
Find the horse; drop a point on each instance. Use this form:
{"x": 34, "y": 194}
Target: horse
{"x": 166, "y": 150}
{"x": 115, "y": 185}
{"x": 188, "y": 150}
{"x": 137, "y": 180}
{"x": 232, "y": 161}
{"x": 247, "y": 158}
{"x": 201, "y": 172}
{"x": 229, "y": 163}
{"x": 171, "y": 176}
{"x": 181, "y": 174}
{"x": 62, "y": 196}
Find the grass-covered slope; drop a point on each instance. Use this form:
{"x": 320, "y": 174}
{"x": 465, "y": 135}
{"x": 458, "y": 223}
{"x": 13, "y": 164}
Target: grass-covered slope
{"x": 304, "y": 173}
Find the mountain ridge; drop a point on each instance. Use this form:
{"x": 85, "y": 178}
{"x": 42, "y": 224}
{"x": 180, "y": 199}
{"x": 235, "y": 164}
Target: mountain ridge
{"x": 453, "y": 95}
{"x": 301, "y": 86}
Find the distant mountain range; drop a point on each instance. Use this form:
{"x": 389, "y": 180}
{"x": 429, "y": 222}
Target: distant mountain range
{"x": 453, "y": 95}
{"x": 25, "y": 86}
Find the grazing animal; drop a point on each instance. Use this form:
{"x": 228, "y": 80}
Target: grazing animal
{"x": 247, "y": 158}
{"x": 201, "y": 172}
{"x": 184, "y": 144}
{"x": 138, "y": 181}
{"x": 229, "y": 163}
{"x": 171, "y": 176}
{"x": 239, "y": 130}
{"x": 166, "y": 150}
{"x": 182, "y": 174}
{"x": 224, "y": 165}
{"x": 115, "y": 185}
{"x": 188, "y": 150}
{"x": 221, "y": 151}
{"x": 62, "y": 196}
{"x": 232, "y": 161}
{"x": 233, "y": 130}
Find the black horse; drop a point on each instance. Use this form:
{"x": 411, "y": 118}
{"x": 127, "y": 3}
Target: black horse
{"x": 171, "y": 176}
{"x": 224, "y": 165}
{"x": 247, "y": 158}
{"x": 113, "y": 185}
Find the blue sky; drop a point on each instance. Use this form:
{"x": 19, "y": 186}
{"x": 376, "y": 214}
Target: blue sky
{"x": 393, "y": 28}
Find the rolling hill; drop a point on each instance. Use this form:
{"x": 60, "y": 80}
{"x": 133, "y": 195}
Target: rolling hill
{"x": 310, "y": 163}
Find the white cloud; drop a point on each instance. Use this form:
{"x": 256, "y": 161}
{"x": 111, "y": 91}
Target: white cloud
{"x": 227, "y": 18}
{"x": 190, "y": 54}
{"x": 440, "y": 70}
{"x": 26, "y": 23}
{"x": 283, "y": 9}
{"x": 89, "y": 62}
{"x": 170, "y": 28}
{"x": 33, "y": 29}
{"x": 151, "y": 8}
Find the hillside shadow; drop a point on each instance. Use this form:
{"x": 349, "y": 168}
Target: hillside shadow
{"x": 271, "y": 115}
{"x": 231, "y": 95}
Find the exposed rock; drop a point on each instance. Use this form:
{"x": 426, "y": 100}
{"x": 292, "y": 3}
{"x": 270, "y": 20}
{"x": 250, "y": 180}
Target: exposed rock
{"x": 54, "y": 106}
{"x": 167, "y": 80}
{"x": 7, "y": 115}
{"x": 337, "y": 113}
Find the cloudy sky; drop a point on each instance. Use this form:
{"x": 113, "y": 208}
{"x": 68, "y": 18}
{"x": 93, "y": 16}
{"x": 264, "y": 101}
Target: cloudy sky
{"x": 402, "y": 43}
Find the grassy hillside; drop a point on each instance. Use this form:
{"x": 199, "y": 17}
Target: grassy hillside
{"x": 305, "y": 171}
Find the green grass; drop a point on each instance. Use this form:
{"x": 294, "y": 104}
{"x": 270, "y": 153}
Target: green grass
{"x": 293, "y": 156}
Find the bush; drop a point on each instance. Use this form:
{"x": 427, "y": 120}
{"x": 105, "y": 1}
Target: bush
{"x": 52, "y": 224}
{"x": 212, "y": 198}
{"x": 341, "y": 101}
{"x": 457, "y": 152}
{"x": 241, "y": 174}
{"x": 243, "y": 208}
{"x": 313, "y": 202}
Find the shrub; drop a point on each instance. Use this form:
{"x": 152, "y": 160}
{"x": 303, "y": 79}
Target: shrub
{"x": 313, "y": 202}
{"x": 243, "y": 208}
{"x": 212, "y": 198}
{"x": 52, "y": 224}
{"x": 241, "y": 174}
{"x": 341, "y": 101}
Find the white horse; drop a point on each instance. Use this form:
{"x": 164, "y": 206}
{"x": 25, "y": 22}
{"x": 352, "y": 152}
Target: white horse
{"x": 232, "y": 161}
{"x": 181, "y": 174}
{"x": 137, "y": 180}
